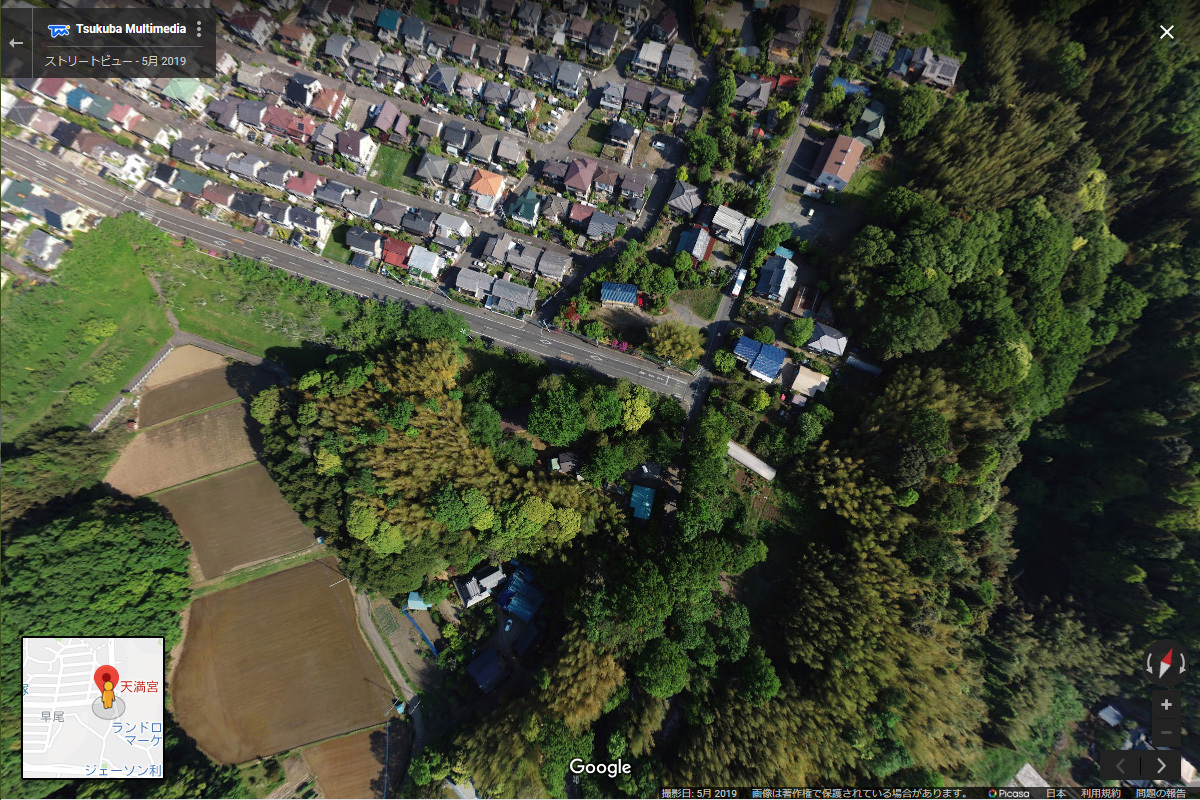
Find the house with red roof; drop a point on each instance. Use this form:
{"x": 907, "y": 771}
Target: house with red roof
{"x": 303, "y": 185}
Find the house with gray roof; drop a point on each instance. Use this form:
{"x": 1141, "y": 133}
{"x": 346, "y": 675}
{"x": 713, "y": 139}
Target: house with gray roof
{"x": 511, "y": 298}
{"x": 523, "y": 259}
{"x": 544, "y": 69}
{"x": 509, "y": 151}
{"x": 457, "y": 137}
{"x": 474, "y": 282}
{"x": 450, "y": 225}
{"x": 495, "y": 249}
{"x": 484, "y": 148}
{"x": 324, "y": 139}
{"x": 388, "y": 213}
{"x": 684, "y": 199}
{"x": 432, "y": 169}
{"x": 337, "y": 47}
{"x": 413, "y": 32}
{"x": 363, "y": 241}
{"x": 442, "y": 78}
{"x": 601, "y": 226}
{"x": 362, "y": 204}
{"x": 495, "y": 94}
{"x": 516, "y": 60}
{"x": 365, "y": 55}
{"x": 554, "y": 266}
{"x": 437, "y": 42}
{"x": 275, "y": 175}
{"x": 332, "y": 193}
{"x": 490, "y": 55}
{"x": 529, "y": 17}
{"x": 681, "y": 63}
{"x": 613, "y": 97}
{"x": 777, "y": 278}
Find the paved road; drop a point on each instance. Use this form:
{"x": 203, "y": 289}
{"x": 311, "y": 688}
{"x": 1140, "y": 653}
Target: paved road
{"x": 505, "y": 331}
{"x": 19, "y": 269}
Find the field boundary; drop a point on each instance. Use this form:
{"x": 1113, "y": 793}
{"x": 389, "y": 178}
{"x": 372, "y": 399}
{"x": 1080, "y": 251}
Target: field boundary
{"x": 154, "y": 495}
{"x": 252, "y": 572}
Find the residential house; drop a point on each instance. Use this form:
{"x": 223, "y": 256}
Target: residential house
{"x": 469, "y": 85}
{"x": 298, "y": 128}
{"x": 365, "y": 55}
{"x": 474, "y": 282}
{"x": 495, "y": 249}
{"x": 869, "y": 128}
{"x": 579, "y": 175}
{"x": 341, "y": 12}
{"x": 901, "y": 64}
{"x": 218, "y": 158}
{"x": 554, "y": 266}
{"x": 503, "y": 10}
{"x": 570, "y": 79}
{"x": 517, "y": 61}
{"x": 247, "y": 167}
{"x": 413, "y": 31}
{"x": 45, "y": 123}
{"x": 580, "y": 215}
{"x": 250, "y": 112}
{"x": 387, "y": 25}
{"x": 396, "y": 252}
{"x": 664, "y": 105}
{"x": 124, "y": 115}
{"x": 777, "y": 278}
{"x": 636, "y": 95}
{"x": 442, "y": 79}
{"x": 296, "y": 38}
{"x": 601, "y": 226}
{"x": 437, "y": 42}
{"x": 732, "y": 226}
{"x": 385, "y": 116}
{"x": 363, "y": 241}
{"x": 420, "y": 222}
{"x": 357, "y": 146}
{"x": 273, "y": 83}
{"x": 634, "y": 185}
{"x": 613, "y": 97}
{"x": 629, "y": 10}
{"x": 457, "y": 138}
{"x": 555, "y": 208}
{"x": 303, "y": 185}
{"x": 473, "y": 9}
{"x": 399, "y": 133}
{"x": 603, "y": 40}
{"x": 432, "y": 169}
{"x": 450, "y": 225}
{"x": 510, "y": 152}
{"x": 253, "y": 26}
{"x": 752, "y": 93}
{"x": 878, "y": 47}
{"x": 65, "y": 133}
{"x": 44, "y": 250}
{"x": 275, "y": 212}
{"x": 276, "y": 175}
{"x": 665, "y": 28}
{"x": 605, "y": 180}
{"x": 324, "y": 139}
{"x": 425, "y": 261}
{"x": 301, "y": 90}
{"x": 79, "y": 98}
{"x": 791, "y": 26}
{"x": 464, "y": 49}
{"x": 495, "y": 95}
{"x": 807, "y": 384}
{"x": 938, "y": 71}
{"x": 526, "y": 207}
{"x": 250, "y": 78}
{"x": 618, "y": 294}
{"x": 188, "y": 182}
{"x": 529, "y": 17}
{"x": 621, "y": 133}
{"x": 219, "y": 194}
{"x": 828, "y": 340}
{"x": 99, "y": 107}
{"x": 555, "y": 172}
{"x": 837, "y": 162}
{"x": 310, "y": 223}
{"x": 332, "y": 193}
{"x": 228, "y": 8}
{"x": 224, "y": 112}
{"x": 364, "y": 16}
{"x": 388, "y": 213}
{"x": 763, "y": 361}
{"x": 511, "y": 298}
{"x": 805, "y": 304}
{"x": 696, "y": 242}
{"x": 188, "y": 150}
{"x": 486, "y": 189}
{"x": 491, "y": 56}
{"x": 681, "y": 64}
{"x": 579, "y": 30}
{"x": 391, "y": 66}
{"x": 187, "y": 92}
{"x": 57, "y": 211}
{"x": 328, "y": 103}
{"x": 554, "y": 23}
{"x": 649, "y": 58}
{"x": 337, "y": 48}
{"x": 544, "y": 68}
{"x": 54, "y": 89}
{"x": 417, "y": 70}
{"x": 523, "y": 259}
{"x": 154, "y": 133}
{"x": 522, "y": 100}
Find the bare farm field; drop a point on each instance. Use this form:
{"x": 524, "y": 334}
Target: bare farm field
{"x": 352, "y": 766}
{"x": 200, "y": 391}
{"x": 183, "y": 450}
{"x": 181, "y": 363}
{"x": 235, "y": 519}
{"x": 277, "y": 663}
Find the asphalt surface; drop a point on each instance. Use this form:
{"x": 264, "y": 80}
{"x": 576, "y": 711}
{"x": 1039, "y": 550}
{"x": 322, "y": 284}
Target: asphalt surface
{"x": 562, "y": 348}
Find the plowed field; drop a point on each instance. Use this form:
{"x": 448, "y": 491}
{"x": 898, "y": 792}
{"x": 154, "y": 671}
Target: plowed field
{"x": 201, "y": 390}
{"x": 352, "y": 766}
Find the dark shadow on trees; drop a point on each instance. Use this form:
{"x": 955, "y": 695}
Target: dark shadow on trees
{"x": 395, "y": 746}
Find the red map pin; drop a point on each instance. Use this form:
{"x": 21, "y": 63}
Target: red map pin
{"x": 106, "y": 673}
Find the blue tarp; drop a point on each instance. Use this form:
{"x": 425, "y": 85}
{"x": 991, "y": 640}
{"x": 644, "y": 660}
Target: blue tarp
{"x": 519, "y": 596}
{"x": 783, "y": 252}
{"x": 851, "y": 88}
{"x": 642, "y": 501}
{"x": 618, "y": 293}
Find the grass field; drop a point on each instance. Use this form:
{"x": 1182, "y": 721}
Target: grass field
{"x": 591, "y": 138}
{"x": 335, "y": 247}
{"x": 200, "y": 391}
{"x": 391, "y": 168}
{"x": 275, "y": 664}
{"x": 236, "y": 519}
{"x": 50, "y": 366}
{"x": 868, "y": 185}
{"x": 703, "y": 302}
{"x": 183, "y": 450}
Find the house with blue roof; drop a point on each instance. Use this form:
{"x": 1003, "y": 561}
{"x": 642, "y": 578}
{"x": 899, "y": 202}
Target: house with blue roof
{"x": 642, "y": 502}
{"x": 519, "y": 596}
{"x": 618, "y": 294}
{"x": 764, "y": 361}
{"x": 487, "y": 670}
{"x": 387, "y": 24}
{"x": 79, "y": 98}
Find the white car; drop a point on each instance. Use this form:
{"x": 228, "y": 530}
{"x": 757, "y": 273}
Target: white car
{"x": 810, "y": 212}
{"x": 660, "y": 146}
{"x": 508, "y": 625}
{"x": 438, "y": 195}
{"x": 551, "y": 127}
{"x": 556, "y": 113}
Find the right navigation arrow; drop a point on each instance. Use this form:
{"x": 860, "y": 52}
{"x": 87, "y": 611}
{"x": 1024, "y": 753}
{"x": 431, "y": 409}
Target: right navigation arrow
{"x": 1162, "y": 765}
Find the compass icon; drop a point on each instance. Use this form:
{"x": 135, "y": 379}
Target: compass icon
{"x": 1165, "y": 663}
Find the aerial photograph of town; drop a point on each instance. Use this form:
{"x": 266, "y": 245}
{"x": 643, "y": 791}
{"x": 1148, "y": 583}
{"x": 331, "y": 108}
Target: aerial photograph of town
{"x": 599, "y": 398}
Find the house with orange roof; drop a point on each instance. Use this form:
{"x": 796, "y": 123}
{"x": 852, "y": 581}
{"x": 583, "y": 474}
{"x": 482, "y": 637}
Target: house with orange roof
{"x": 486, "y": 189}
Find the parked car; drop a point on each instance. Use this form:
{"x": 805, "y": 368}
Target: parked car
{"x": 810, "y": 212}
{"x": 660, "y": 146}
{"x": 438, "y": 195}
{"x": 295, "y": 62}
{"x": 556, "y": 113}
{"x": 508, "y": 625}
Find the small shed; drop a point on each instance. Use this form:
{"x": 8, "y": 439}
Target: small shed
{"x": 487, "y": 670}
{"x": 416, "y": 602}
{"x": 618, "y": 294}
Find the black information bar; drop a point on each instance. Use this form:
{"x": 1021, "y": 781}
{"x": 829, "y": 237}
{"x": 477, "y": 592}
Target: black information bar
{"x": 959, "y": 793}
{"x": 108, "y": 43}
